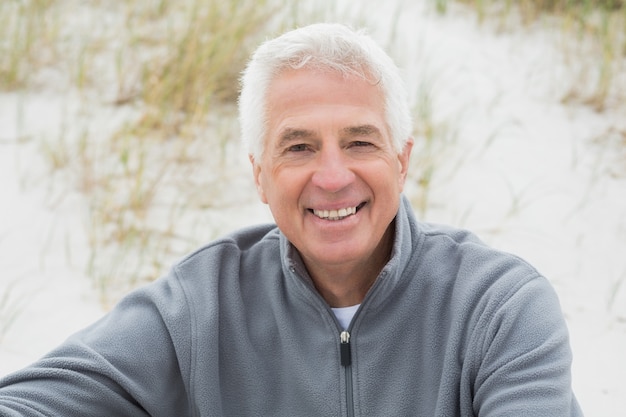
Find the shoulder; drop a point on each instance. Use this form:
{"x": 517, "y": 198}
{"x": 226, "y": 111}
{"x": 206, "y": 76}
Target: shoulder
{"x": 466, "y": 253}
{"x": 488, "y": 286}
{"x": 455, "y": 263}
{"x": 232, "y": 247}
{"x": 199, "y": 280}
{"x": 227, "y": 266}
{"x": 473, "y": 276}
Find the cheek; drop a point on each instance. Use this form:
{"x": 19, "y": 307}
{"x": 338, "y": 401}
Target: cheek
{"x": 388, "y": 176}
{"x": 274, "y": 187}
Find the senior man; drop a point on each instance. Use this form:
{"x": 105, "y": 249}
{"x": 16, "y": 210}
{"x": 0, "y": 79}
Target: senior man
{"x": 347, "y": 306}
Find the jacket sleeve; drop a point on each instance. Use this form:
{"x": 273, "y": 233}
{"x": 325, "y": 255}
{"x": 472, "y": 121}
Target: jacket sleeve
{"x": 524, "y": 358}
{"x": 126, "y": 364}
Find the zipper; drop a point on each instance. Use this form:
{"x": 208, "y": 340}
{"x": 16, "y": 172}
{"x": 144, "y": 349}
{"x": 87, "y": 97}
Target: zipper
{"x": 344, "y": 336}
{"x": 346, "y": 362}
{"x": 344, "y": 346}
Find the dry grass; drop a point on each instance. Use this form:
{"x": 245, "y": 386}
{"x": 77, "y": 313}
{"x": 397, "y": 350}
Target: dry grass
{"x": 433, "y": 139}
{"x": 199, "y": 65}
{"x": 594, "y": 40}
{"x": 179, "y": 75}
{"x": 29, "y": 32}
{"x": 165, "y": 75}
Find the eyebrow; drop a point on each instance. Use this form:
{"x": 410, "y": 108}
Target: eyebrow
{"x": 361, "y": 130}
{"x": 291, "y": 135}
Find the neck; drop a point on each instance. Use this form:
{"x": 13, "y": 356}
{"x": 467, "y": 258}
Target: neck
{"x": 346, "y": 290}
{"x": 347, "y": 284}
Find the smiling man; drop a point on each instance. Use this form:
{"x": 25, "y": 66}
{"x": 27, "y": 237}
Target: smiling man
{"x": 347, "y": 306}
{"x": 332, "y": 177}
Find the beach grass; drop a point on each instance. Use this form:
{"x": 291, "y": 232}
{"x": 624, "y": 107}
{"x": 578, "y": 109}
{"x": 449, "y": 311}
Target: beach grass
{"x": 592, "y": 33}
{"x": 152, "y": 168}
{"x": 166, "y": 75}
{"x": 29, "y": 35}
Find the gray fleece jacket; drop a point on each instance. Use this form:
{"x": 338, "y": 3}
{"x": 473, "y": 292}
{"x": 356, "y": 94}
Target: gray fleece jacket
{"x": 450, "y": 328}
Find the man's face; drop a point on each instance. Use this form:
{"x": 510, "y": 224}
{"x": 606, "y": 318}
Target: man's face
{"x": 329, "y": 171}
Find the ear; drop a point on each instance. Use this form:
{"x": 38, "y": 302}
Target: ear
{"x": 403, "y": 159}
{"x": 256, "y": 172}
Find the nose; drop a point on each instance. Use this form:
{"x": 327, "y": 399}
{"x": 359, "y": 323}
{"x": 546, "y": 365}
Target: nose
{"x": 332, "y": 171}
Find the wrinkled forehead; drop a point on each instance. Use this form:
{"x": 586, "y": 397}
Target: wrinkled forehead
{"x": 302, "y": 101}
{"x": 323, "y": 86}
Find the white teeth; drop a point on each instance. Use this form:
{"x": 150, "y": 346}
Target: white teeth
{"x": 335, "y": 214}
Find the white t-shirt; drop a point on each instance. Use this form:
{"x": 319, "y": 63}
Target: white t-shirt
{"x": 345, "y": 314}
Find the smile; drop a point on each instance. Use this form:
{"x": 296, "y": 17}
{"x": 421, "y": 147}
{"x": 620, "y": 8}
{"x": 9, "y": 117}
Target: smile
{"x": 339, "y": 214}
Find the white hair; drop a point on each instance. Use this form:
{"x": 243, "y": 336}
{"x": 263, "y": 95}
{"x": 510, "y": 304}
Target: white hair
{"x": 322, "y": 46}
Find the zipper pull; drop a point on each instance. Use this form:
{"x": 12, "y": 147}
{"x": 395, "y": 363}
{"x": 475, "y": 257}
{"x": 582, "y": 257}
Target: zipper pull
{"x": 344, "y": 346}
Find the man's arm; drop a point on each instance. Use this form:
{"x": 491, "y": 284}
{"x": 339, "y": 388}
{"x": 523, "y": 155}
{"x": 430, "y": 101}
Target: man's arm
{"x": 125, "y": 364}
{"x": 525, "y": 358}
